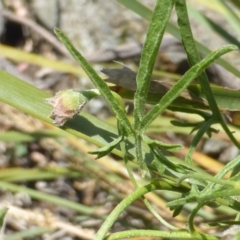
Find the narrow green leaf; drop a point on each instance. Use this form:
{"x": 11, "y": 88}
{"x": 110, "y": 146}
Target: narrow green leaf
{"x": 20, "y": 174}
{"x": 177, "y": 211}
{"x": 202, "y": 129}
{"x": 185, "y": 124}
{"x": 183, "y": 83}
{"x": 192, "y": 52}
{"x": 103, "y": 151}
{"x": 173, "y": 30}
{"x": 166, "y": 146}
{"x": 97, "y": 81}
{"x": 29, "y": 233}
{"x": 16, "y": 136}
{"x": 228, "y": 167}
{"x": 194, "y": 58}
{"x": 176, "y": 203}
{"x": 151, "y": 45}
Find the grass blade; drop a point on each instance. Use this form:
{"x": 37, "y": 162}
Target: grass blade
{"x": 21, "y": 56}
{"x": 29, "y": 99}
{"x": 206, "y": 21}
{"x": 48, "y": 198}
{"x": 231, "y": 17}
{"x": 29, "y": 233}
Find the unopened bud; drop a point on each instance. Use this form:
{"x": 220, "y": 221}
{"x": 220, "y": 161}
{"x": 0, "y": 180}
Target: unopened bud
{"x": 66, "y": 104}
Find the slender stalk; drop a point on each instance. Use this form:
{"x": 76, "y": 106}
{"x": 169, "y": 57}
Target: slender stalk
{"x": 130, "y": 199}
{"x": 160, "y": 235}
{"x": 191, "y": 218}
{"x": 146, "y": 202}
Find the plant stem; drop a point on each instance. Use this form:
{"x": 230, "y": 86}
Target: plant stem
{"x": 130, "y": 199}
{"x": 160, "y": 235}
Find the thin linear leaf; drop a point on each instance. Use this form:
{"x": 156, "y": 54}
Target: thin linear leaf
{"x": 229, "y": 167}
{"x": 103, "y": 151}
{"x": 191, "y": 50}
{"x": 146, "y": 14}
{"x": 97, "y": 81}
{"x": 182, "y": 84}
{"x": 29, "y": 233}
{"x": 228, "y": 101}
{"x": 20, "y": 174}
{"x": 194, "y": 58}
{"x": 150, "y": 50}
{"x": 166, "y": 146}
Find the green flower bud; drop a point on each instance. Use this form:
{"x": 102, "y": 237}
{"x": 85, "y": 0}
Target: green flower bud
{"x": 66, "y": 104}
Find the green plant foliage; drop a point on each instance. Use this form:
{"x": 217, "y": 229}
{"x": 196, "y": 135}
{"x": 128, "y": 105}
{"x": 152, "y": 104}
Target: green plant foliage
{"x": 128, "y": 139}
